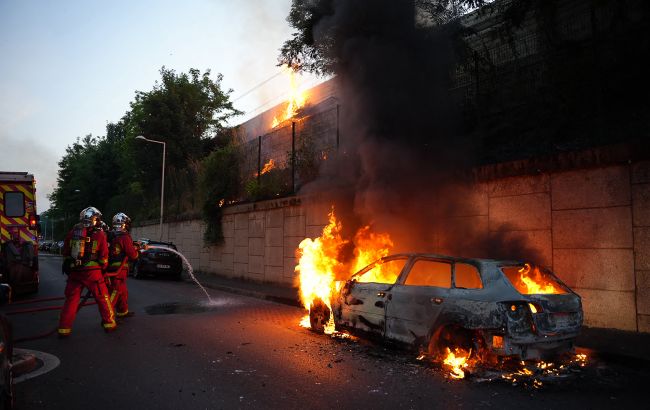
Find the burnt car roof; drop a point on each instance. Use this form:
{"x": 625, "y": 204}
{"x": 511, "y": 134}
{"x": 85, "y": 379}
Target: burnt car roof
{"x": 455, "y": 258}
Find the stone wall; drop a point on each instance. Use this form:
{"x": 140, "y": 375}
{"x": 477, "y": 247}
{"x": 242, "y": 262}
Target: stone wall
{"x": 591, "y": 226}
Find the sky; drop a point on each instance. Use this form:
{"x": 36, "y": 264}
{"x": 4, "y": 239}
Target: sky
{"x": 69, "y": 67}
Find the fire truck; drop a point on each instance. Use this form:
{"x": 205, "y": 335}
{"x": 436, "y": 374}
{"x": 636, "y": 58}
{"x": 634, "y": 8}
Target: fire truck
{"x": 18, "y": 232}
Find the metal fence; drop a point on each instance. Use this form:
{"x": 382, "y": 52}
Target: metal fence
{"x": 281, "y": 161}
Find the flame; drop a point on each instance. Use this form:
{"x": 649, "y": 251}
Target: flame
{"x": 268, "y": 166}
{"x": 369, "y": 247}
{"x": 297, "y": 98}
{"x": 531, "y": 280}
{"x": 535, "y": 283}
{"x": 319, "y": 262}
{"x": 456, "y": 361}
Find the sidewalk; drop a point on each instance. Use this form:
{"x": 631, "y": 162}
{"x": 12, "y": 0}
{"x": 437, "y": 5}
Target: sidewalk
{"x": 612, "y": 343}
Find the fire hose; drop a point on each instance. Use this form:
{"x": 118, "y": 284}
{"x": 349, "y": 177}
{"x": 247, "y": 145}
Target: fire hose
{"x": 84, "y": 302}
{"x": 43, "y": 309}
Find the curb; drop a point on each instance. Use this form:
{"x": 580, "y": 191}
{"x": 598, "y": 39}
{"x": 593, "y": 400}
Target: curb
{"x": 22, "y": 364}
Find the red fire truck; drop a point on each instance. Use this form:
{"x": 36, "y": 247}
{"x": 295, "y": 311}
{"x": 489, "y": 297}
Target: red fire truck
{"x": 18, "y": 232}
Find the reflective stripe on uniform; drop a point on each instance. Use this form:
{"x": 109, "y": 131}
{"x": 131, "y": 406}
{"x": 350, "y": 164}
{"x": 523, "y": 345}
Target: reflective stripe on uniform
{"x": 122, "y": 314}
{"x": 109, "y": 325}
{"x": 111, "y": 312}
{"x": 64, "y": 331}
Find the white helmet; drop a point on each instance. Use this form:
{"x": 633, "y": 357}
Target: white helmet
{"x": 121, "y": 222}
{"x": 90, "y": 217}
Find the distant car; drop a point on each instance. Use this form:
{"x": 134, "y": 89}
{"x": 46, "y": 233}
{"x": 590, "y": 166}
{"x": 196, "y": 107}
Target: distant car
{"x": 433, "y": 302}
{"x": 42, "y": 246}
{"x": 56, "y": 247}
{"x": 157, "y": 259}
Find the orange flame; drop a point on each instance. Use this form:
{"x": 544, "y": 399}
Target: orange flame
{"x": 319, "y": 262}
{"x": 456, "y": 361}
{"x": 268, "y": 166}
{"x": 531, "y": 280}
{"x": 297, "y": 98}
{"x": 535, "y": 283}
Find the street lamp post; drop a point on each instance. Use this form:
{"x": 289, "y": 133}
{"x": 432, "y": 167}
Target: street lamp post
{"x": 162, "y": 184}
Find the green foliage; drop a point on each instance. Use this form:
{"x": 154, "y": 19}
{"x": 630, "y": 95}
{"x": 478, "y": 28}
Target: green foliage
{"x": 219, "y": 184}
{"x": 274, "y": 183}
{"x": 306, "y": 160}
{"x": 184, "y": 111}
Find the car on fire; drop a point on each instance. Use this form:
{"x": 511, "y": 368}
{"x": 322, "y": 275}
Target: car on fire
{"x": 433, "y": 302}
{"x": 157, "y": 258}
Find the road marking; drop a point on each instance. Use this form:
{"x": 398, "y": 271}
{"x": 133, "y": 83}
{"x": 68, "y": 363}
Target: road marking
{"x": 50, "y": 362}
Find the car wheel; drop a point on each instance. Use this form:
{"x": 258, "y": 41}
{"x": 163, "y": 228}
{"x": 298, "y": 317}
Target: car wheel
{"x": 178, "y": 276}
{"x": 136, "y": 272}
{"x": 319, "y": 316}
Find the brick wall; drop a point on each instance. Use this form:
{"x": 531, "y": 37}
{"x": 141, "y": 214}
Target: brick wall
{"x": 591, "y": 226}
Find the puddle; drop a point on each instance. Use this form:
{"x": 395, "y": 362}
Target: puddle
{"x": 171, "y": 308}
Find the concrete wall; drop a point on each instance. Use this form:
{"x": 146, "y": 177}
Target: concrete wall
{"x": 591, "y": 226}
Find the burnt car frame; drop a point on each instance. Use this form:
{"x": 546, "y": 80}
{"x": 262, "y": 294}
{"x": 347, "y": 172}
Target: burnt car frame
{"x": 156, "y": 258}
{"x": 437, "y": 302}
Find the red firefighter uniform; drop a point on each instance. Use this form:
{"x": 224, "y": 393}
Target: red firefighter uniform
{"x": 121, "y": 251}
{"x": 86, "y": 272}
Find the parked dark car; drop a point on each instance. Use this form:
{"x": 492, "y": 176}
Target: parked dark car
{"x": 157, "y": 259}
{"x": 434, "y": 302}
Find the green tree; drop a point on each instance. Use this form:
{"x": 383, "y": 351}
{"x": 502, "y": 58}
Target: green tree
{"x": 185, "y": 111}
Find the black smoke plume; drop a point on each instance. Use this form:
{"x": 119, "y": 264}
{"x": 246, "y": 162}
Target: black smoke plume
{"x": 401, "y": 162}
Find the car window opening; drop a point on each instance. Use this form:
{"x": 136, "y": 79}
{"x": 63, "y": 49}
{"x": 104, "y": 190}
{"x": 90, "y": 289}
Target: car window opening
{"x": 430, "y": 273}
{"x": 467, "y": 276}
{"x": 532, "y": 280}
{"x": 383, "y": 272}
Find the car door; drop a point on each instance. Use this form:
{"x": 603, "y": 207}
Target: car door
{"x": 363, "y": 299}
{"x": 416, "y": 301}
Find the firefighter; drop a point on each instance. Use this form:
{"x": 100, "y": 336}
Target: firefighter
{"x": 86, "y": 250}
{"x": 120, "y": 252}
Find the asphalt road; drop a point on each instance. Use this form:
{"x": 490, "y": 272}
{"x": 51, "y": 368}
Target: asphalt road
{"x": 248, "y": 353}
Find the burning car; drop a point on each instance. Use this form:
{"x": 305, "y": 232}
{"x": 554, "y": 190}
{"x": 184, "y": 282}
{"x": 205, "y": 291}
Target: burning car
{"x": 435, "y": 302}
